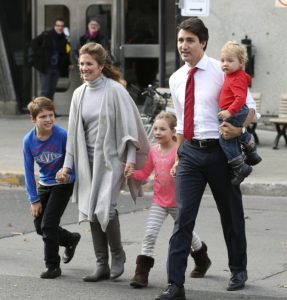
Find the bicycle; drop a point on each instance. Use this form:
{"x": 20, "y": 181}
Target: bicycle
{"x": 154, "y": 103}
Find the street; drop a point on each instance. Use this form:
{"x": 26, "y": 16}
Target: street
{"x": 74, "y": 289}
{"x": 15, "y": 218}
{"x": 21, "y": 254}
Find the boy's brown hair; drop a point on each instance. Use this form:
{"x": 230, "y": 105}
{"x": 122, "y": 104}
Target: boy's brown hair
{"x": 38, "y": 104}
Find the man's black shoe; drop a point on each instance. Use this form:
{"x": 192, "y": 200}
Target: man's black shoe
{"x": 237, "y": 280}
{"x": 70, "y": 251}
{"x": 172, "y": 292}
{"x": 51, "y": 273}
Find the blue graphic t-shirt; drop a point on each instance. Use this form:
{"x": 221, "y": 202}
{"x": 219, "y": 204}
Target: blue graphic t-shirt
{"x": 49, "y": 156}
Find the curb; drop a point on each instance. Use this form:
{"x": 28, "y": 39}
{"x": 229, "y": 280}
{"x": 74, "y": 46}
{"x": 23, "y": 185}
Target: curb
{"x": 261, "y": 189}
{"x": 265, "y": 189}
{"x": 9, "y": 178}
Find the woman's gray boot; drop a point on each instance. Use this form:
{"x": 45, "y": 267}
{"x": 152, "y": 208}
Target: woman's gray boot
{"x": 102, "y": 254}
{"x": 117, "y": 252}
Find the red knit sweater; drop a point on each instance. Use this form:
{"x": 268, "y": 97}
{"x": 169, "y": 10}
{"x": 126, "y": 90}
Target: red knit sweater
{"x": 234, "y": 91}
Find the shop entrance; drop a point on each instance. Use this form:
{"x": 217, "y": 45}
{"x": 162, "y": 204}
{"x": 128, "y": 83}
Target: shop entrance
{"x": 131, "y": 28}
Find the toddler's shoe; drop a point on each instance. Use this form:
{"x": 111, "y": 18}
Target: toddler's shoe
{"x": 251, "y": 156}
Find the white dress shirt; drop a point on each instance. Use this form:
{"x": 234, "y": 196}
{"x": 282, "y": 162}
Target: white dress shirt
{"x": 208, "y": 81}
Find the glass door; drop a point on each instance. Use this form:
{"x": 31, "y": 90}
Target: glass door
{"x": 139, "y": 42}
{"x": 15, "y": 26}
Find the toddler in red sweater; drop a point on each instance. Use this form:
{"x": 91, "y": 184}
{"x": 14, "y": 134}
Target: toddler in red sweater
{"x": 234, "y": 110}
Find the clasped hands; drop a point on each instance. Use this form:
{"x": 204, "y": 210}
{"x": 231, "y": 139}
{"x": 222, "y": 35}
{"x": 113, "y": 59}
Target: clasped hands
{"x": 62, "y": 176}
{"x": 128, "y": 169}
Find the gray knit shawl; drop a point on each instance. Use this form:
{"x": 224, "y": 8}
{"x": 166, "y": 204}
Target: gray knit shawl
{"x": 119, "y": 123}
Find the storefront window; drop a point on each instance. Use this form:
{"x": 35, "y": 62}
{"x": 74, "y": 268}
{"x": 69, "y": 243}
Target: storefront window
{"x": 56, "y": 11}
{"x": 141, "y": 22}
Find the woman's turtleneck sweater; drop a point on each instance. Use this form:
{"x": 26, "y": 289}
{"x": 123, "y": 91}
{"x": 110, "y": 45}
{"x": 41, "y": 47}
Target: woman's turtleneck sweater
{"x": 91, "y": 106}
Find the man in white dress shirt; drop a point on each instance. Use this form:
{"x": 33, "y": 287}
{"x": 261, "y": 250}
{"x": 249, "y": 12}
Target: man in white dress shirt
{"x": 201, "y": 161}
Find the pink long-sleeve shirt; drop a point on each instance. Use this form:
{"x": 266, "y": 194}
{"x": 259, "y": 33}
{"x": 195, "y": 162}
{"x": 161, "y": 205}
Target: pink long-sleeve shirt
{"x": 164, "y": 183}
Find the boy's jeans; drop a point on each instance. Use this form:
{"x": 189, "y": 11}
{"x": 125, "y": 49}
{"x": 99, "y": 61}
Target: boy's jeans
{"x": 232, "y": 147}
{"x": 54, "y": 200}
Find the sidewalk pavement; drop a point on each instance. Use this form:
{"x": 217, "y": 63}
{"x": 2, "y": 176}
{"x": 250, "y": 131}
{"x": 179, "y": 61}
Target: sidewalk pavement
{"x": 267, "y": 178}
{"x": 21, "y": 259}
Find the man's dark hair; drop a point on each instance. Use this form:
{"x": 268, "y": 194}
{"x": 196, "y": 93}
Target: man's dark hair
{"x": 59, "y": 19}
{"x": 197, "y": 27}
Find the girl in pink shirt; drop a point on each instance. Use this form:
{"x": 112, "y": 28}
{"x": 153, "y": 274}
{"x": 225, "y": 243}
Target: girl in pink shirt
{"x": 161, "y": 159}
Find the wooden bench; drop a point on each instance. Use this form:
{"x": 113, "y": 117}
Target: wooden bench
{"x": 281, "y": 122}
{"x": 252, "y": 126}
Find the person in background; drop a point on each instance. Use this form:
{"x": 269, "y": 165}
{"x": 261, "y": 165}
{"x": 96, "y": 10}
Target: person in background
{"x": 45, "y": 145}
{"x": 233, "y": 109}
{"x": 201, "y": 159}
{"x": 161, "y": 159}
{"x": 105, "y": 133}
{"x": 50, "y": 55}
{"x": 93, "y": 34}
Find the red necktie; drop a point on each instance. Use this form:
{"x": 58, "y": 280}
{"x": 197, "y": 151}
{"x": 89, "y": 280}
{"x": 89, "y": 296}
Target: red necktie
{"x": 189, "y": 105}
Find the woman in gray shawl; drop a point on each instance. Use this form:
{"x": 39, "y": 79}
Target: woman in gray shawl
{"x": 105, "y": 139}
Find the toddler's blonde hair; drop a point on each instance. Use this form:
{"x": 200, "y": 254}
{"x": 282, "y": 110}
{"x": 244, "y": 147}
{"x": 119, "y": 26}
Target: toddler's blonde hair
{"x": 235, "y": 48}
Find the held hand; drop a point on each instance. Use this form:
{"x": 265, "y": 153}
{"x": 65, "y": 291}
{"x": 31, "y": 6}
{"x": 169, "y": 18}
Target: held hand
{"x": 62, "y": 176}
{"x": 59, "y": 176}
{"x": 129, "y": 167}
{"x": 173, "y": 169}
{"x": 36, "y": 209}
{"x": 229, "y": 131}
{"x": 224, "y": 114}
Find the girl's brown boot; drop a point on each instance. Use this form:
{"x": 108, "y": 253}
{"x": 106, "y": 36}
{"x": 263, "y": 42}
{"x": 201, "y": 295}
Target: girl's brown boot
{"x": 144, "y": 264}
{"x": 201, "y": 260}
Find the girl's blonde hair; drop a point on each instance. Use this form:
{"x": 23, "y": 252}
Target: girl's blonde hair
{"x": 238, "y": 49}
{"x": 102, "y": 57}
{"x": 170, "y": 118}
{"x": 39, "y": 104}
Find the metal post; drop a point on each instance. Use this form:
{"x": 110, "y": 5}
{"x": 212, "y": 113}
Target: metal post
{"x": 162, "y": 42}
{"x": 177, "y": 21}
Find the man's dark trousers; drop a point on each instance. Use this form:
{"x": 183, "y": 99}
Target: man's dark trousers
{"x": 197, "y": 167}
{"x": 49, "y": 81}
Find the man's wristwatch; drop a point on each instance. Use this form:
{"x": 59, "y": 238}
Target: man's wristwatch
{"x": 243, "y": 130}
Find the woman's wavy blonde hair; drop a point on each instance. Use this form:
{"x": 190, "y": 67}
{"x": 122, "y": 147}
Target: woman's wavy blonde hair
{"x": 102, "y": 57}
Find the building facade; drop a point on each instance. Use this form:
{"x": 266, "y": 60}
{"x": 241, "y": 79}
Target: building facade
{"x": 141, "y": 37}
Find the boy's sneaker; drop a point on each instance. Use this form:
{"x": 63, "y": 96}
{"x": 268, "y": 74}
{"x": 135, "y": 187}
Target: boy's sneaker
{"x": 70, "y": 251}
{"x": 51, "y": 273}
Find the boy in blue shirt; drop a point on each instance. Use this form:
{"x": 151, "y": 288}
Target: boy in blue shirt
{"x": 45, "y": 144}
